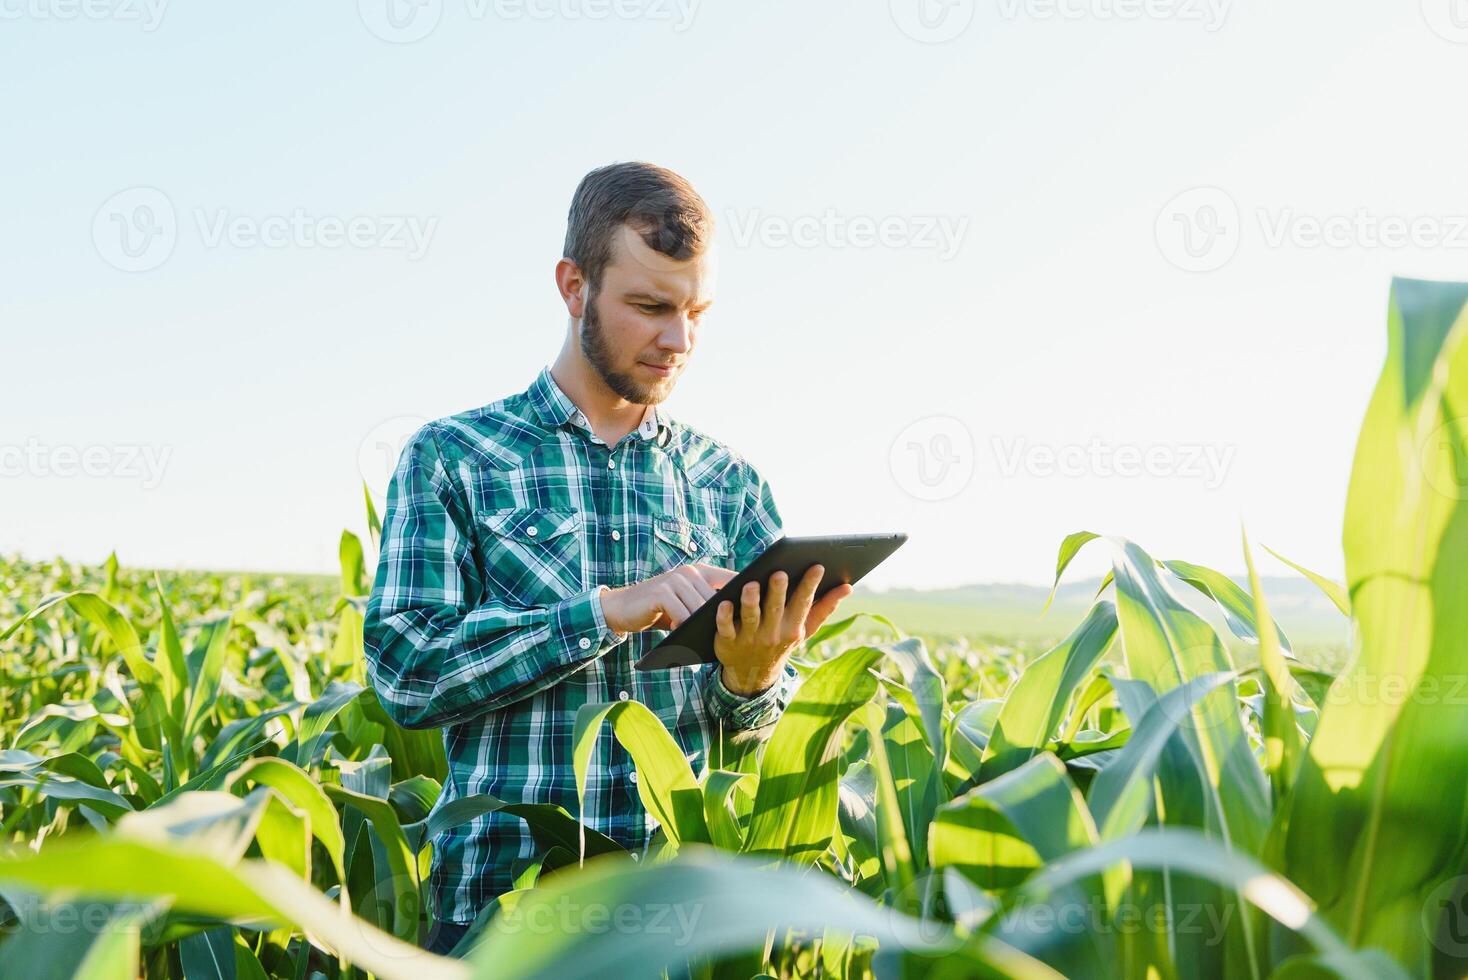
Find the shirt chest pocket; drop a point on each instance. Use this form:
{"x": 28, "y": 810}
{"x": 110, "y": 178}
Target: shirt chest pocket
{"x": 533, "y": 555}
{"x": 679, "y": 541}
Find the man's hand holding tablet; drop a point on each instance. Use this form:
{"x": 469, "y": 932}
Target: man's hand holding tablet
{"x": 754, "y": 652}
{"x": 754, "y": 649}
{"x": 746, "y": 621}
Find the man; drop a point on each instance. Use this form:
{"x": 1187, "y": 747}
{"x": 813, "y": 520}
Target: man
{"x": 534, "y": 549}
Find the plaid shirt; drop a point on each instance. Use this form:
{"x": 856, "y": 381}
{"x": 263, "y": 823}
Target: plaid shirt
{"x": 485, "y": 619}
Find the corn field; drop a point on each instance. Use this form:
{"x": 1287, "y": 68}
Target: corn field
{"x": 196, "y": 780}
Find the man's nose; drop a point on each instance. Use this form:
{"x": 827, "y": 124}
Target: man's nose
{"x": 678, "y": 334}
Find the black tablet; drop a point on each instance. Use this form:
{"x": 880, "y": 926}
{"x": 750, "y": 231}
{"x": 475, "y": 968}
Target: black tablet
{"x": 846, "y": 558}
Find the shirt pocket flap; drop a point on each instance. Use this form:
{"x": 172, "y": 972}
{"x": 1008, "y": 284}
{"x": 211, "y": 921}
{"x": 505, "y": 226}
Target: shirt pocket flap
{"x": 692, "y": 539}
{"x": 532, "y": 525}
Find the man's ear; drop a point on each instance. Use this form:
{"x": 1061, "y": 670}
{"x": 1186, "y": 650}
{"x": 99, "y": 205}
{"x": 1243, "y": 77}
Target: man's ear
{"x": 573, "y": 287}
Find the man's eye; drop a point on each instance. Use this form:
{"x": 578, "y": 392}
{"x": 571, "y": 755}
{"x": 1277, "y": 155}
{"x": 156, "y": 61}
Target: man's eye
{"x": 649, "y": 308}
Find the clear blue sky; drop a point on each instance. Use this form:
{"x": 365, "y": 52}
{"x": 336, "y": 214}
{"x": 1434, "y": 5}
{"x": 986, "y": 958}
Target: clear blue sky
{"x": 976, "y": 219}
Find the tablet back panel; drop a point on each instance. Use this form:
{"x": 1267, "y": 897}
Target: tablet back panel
{"x": 846, "y": 557}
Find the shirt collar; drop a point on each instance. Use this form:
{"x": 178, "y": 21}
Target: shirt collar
{"x": 554, "y": 408}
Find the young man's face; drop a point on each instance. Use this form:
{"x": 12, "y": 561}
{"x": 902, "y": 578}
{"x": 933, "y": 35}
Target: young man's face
{"x": 641, "y": 320}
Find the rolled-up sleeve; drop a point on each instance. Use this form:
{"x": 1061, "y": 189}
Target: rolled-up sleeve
{"x": 438, "y": 649}
{"x": 759, "y": 527}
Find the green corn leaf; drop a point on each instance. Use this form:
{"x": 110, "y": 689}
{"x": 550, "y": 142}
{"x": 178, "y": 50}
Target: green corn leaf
{"x": 1371, "y": 831}
{"x": 297, "y": 786}
{"x": 830, "y": 631}
{"x": 1211, "y": 778}
{"x": 794, "y": 813}
{"x": 665, "y": 783}
{"x": 1282, "y": 744}
{"x": 209, "y": 778}
{"x": 208, "y": 955}
{"x": 892, "y": 840}
{"x": 173, "y": 671}
{"x": 1166, "y": 645}
{"x": 414, "y": 797}
{"x": 1121, "y": 794}
{"x": 1035, "y": 708}
{"x": 552, "y": 827}
{"x": 1333, "y": 591}
{"x": 1098, "y": 687}
{"x": 399, "y": 863}
{"x": 1069, "y": 547}
{"x": 150, "y": 714}
{"x": 1237, "y": 606}
{"x": 317, "y": 718}
{"x": 414, "y": 751}
{"x": 718, "y": 785}
{"x": 923, "y": 696}
{"x": 43, "y": 948}
{"x": 202, "y": 883}
{"x": 374, "y": 523}
{"x": 708, "y": 904}
{"x": 71, "y": 791}
{"x": 1187, "y": 852}
{"x": 354, "y": 566}
{"x": 215, "y": 643}
{"x": 1000, "y": 832}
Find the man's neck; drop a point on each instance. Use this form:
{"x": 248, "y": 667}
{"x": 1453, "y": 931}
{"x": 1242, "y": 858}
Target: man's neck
{"x": 610, "y": 415}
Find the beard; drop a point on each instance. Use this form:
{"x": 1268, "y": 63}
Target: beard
{"x": 596, "y": 350}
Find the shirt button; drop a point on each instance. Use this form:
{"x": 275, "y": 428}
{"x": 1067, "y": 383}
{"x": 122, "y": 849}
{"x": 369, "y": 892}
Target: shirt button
{"x": 616, "y": 535}
{"x": 584, "y": 643}
{"x": 622, "y": 695}
{"x": 633, "y": 777}
{"x": 532, "y": 531}
{"x": 635, "y": 855}
{"x": 611, "y": 464}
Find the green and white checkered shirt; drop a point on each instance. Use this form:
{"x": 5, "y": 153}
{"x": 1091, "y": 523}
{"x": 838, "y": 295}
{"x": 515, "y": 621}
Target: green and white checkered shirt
{"x": 485, "y": 619}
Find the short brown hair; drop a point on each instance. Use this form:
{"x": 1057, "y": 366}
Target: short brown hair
{"x": 655, "y": 202}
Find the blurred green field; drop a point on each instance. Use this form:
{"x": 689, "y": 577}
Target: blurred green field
{"x": 1014, "y": 616}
